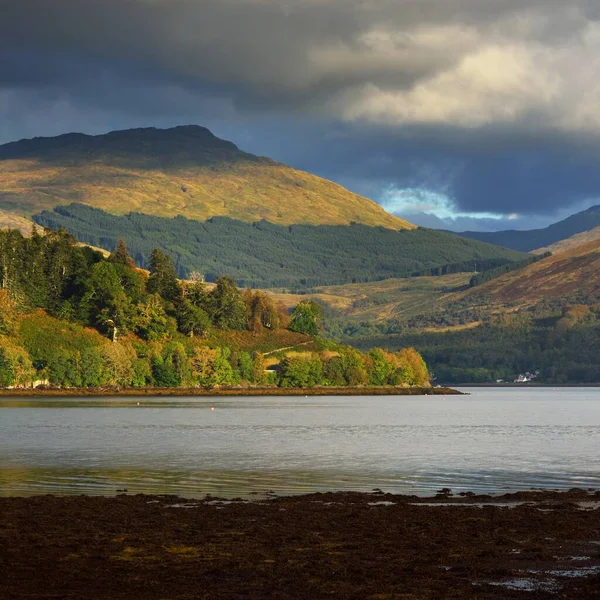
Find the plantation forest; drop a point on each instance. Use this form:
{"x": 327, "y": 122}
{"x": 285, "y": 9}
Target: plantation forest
{"x": 266, "y": 255}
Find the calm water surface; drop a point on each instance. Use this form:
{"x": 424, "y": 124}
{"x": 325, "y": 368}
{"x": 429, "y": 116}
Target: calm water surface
{"x": 493, "y": 440}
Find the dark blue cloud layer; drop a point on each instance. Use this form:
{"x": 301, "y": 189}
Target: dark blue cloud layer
{"x": 242, "y": 70}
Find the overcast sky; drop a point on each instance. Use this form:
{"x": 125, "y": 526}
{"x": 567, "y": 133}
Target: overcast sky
{"x": 466, "y": 114}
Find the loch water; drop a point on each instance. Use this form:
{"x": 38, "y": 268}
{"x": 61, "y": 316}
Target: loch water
{"x": 492, "y": 440}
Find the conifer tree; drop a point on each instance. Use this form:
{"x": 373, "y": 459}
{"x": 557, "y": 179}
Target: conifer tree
{"x": 163, "y": 277}
{"x": 192, "y": 320}
{"x": 120, "y": 256}
{"x": 229, "y": 311}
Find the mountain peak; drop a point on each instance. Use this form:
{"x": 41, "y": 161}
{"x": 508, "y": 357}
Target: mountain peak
{"x": 186, "y": 137}
{"x": 592, "y": 210}
{"x": 184, "y": 170}
{"x": 180, "y": 131}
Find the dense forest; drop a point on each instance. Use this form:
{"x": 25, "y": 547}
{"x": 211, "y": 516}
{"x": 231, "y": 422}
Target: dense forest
{"x": 263, "y": 254}
{"x": 562, "y": 343}
{"x": 69, "y": 317}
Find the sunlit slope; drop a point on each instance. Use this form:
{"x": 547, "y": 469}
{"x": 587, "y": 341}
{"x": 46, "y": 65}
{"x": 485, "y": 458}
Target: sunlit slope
{"x": 10, "y": 220}
{"x": 181, "y": 171}
{"x": 568, "y": 274}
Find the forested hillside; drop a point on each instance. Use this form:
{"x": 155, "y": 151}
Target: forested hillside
{"x": 562, "y": 343}
{"x": 180, "y": 171}
{"x": 264, "y": 254}
{"x": 69, "y": 317}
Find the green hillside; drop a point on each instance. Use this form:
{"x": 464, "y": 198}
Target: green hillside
{"x": 70, "y": 317}
{"x": 263, "y": 254}
{"x": 181, "y": 171}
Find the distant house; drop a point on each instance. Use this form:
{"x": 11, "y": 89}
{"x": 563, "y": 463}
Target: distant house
{"x": 526, "y": 377}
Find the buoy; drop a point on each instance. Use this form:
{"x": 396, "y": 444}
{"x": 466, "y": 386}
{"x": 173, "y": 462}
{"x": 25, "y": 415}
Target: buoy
{"x": 212, "y": 408}
{"x": 138, "y": 403}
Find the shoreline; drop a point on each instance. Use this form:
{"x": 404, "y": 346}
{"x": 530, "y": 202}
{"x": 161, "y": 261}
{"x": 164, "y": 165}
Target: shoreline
{"x": 343, "y": 545}
{"x": 527, "y": 385}
{"x": 214, "y": 392}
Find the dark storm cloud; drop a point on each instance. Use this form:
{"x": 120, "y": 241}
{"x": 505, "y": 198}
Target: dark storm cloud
{"x": 492, "y": 104}
{"x": 483, "y": 171}
{"x": 276, "y": 49}
{"x": 264, "y": 46}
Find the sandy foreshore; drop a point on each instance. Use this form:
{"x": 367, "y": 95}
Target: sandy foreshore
{"x": 341, "y": 545}
{"x": 267, "y": 391}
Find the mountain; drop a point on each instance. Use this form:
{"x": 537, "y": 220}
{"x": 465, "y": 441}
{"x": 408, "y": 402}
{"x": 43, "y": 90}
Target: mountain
{"x": 218, "y": 210}
{"x": 532, "y": 239}
{"x": 180, "y": 171}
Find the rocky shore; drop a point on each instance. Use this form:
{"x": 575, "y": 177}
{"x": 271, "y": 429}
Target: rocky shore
{"x": 338, "y": 545}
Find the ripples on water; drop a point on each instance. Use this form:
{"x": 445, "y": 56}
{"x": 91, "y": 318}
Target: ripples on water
{"x": 492, "y": 441}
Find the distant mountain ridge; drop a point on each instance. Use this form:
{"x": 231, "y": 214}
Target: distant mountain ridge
{"x": 571, "y": 242}
{"x": 534, "y": 239}
{"x": 184, "y": 171}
